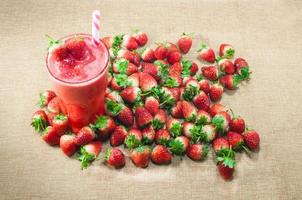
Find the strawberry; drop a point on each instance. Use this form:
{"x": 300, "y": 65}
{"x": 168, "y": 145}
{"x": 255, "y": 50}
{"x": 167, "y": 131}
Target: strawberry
{"x": 189, "y": 111}
{"x": 235, "y": 140}
{"x": 133, "y": 79}
{"x": 188, "y": 129}
{"x": 151, "y": 69}
{"x": 225, "y": 171}
{"x": 148, "y": 135}
{"x": 215, "y": 92}
{"x": 67, "y": 145}
{"x": 226, "y": 51}
{"x": 202, "y": 101}
{"x": 131, "y": 94}
{"x": 174, "y": 127}
{"x": 160, "y": 155}
{"x": 240, "y": 64}
{"x": 84, "y": 136}
{"x": 125, "y": 116}
{"x": 129, "y": 42}
{"x": 175, "y": 92}
{"x": 118, "y": 136}
{"x": 203, "y": 117}
{"x": 133, "y": 139}
{"x": 197, "y": 152}
{"x": 161, "y": 52}
{"x": 220, "y": 144}
{"x": 204, "y": 85}
{"x": 173, "y": 57}
{"x": 147, "y": 82}
{"x": 192, "y": 83}
{"x": 206, "y": 53}
{"x": 221, "y": 121}
{"x": 176, "y": 110}
{"x": 175, "y": 70}
{"x": 251, "y": 139}
{"x": 108, "y": 40}
{"x": 60, "y": 123}
{"x": 39, "y": 120}
{"x": 148, "y": 55}
{"x": 112, "y": 108}
{"x": 89, "y": 153}
{"x": 230, "y": 82}
{"x": 123, "y": 66}
{"x": 237, "y": 124}
{"x": 115, "y": 96}
{"x": 226, "y": 163}
{"x": 136, "y": 58}
{"x": 210, "y": 72}
{"x": 159, "y": 119}
{"x": 226, "y": 66}
{"x": 184, "y": 43}
{"x": 104, "y": 125}
{"x": 162, "y": 136}
{"x": 194, "y": 68}
{"x": 126, "y": 54}
{"x": 50, "y": 136}
{"x": 45, "y": 98}
{"x": 179, "y": 145}
{"x": 142, "y": 116}
{"x": 152, "y": 105}
{"x": 76, "y": 48}
{"x": 115, "y": 158}
{"x": 119, "y": 82}
{"x": 140, "y": 156}
{"x": 171, "y": 47}
{"x": 54, "y": 105}
{"x": 141, "y": 38}
{"x": 216, "y": 108}
{"x": 209, "y": 132}
{"x": 60, "y": 53}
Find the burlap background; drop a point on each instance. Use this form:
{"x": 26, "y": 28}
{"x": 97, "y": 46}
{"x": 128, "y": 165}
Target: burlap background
{"x": 267, "y": 33}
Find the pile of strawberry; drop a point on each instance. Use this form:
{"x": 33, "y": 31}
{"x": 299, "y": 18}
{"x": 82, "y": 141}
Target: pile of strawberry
{"x": 158, "y": 105}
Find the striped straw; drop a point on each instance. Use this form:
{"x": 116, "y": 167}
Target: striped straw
{"x": 96, "y": 27}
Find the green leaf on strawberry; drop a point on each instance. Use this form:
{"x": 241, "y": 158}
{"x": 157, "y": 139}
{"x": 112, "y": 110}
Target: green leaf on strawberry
{"x": 113, "y": 107}
{"x": 176, "y": 147}
{"x": 122, "y": 65}
{"x": 170, "y": 82}
{"x": 229, "y": 53}
{"x": 39, "y": 124}
{"x": 163, "y": 70}
{"x": 190, "y": 92}
{"x": 116, "y": 45}
{"x": 197, "y": 134}
{"x": 157, "y": 124}
{"x": 122, "y": 80}
{"x": 202, "y": 120}
{"x": 175, "y": 130}
{"x": 85, "y": 158}
{"x": 227, "y": 156}
{"x": 101, "y": 122}
{"x": 132, "y": 142}
{"x": 218, "y": 123}
{"x": 186, "y": 64}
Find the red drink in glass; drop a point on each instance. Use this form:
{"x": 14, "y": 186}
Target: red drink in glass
{"x": 78, "y": 72}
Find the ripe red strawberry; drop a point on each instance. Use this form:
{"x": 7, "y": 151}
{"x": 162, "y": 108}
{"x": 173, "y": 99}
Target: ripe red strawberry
{"x": 226, "y": 66}
{"x": 226, "y": 51}
{"x": 173, "y": 57}
{"x": 140, "y": 156}
{"x": 185, "y": 43}
{"x": 176, "y": 110}
{"x": 206, "y": 53}
{"x": 50, "y": 136}
{"x": 188, "y": 128}
{"x": 197, "y": 152}
{"x": 175, "y": 69}
{"x": 126, "y": 54}
{"x": 251, "y": 139}
{"x": 203, "y": 117}
{"x": 175, "y": 92}
{"x": 189, "y": 111}
{"x": 54, "y": 105}
{"x": 215, "y": 92}
{"x": 67, "y": 145}
{"x": 60, "y": 53}
{"x": 129, "y": 42}
{"x": 76, "y": 47}
{"x": 60, "y": 123}
{"x": 125, "y": 116}
{"x": 237, "y": 124}
{"x": 225, "y": 171}
{"x": 219, "y": 144}
{"x": 104, "y": 125}
{"x": 194, "y": 68}
{"x": 148, "y": 55}
{"x": 108, "y": 40}
{"x": 89, "y": 153}
{"x": 160, "y": 155}
{"x": 133, "y": 79}
{"x": 136, "y": 58}
{"x": 209, "y": 132}
{"x": 171, "y": 47}
{"x": 161, "y": 52}
{"x": 174, "y": 127}
{"x": 115, "y": 96}
{"x": 84, "y": 136}
{"x": 45, "y": 98}
{"x": 162, "y": 136}
{"x": 147, "y": 82}
{"x": 204, "y": 85}
{"x": 230, "y": 82}
{"x": 131, "y": 94}
{"x": 133, "y": 139}
{"x": 210, "y": 72}
{"x": 123, "y": 66}
{"x": 240, "y": 64}
{"x": 202, "y": 101}
{"x": 159, "y": 119}
{"x": 141, "y": 38}
{"x": 221, "y": 121}
{"x": 226, "y": 163}
{"x": 115, "y": 158}
{"x": 216, "y": 108}
{"x": 235, "y": 140}
{"x": 115, "y": 85}
{"x": 179, "y": 145}
{"x": 148, "y": 135}
{"x": 142, "y": 116}
{"x": 151, "y": 69}
{"x": 39, "y": 120}
{"x": 118, "y": 136}
{"x": 152, "y": 105}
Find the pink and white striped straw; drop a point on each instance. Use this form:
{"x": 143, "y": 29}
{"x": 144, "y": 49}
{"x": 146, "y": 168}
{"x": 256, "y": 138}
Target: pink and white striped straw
{"x": 96, "y": 27}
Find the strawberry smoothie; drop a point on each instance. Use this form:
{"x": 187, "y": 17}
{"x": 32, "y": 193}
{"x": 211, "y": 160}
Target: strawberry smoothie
{"x": 78, "y": 71}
